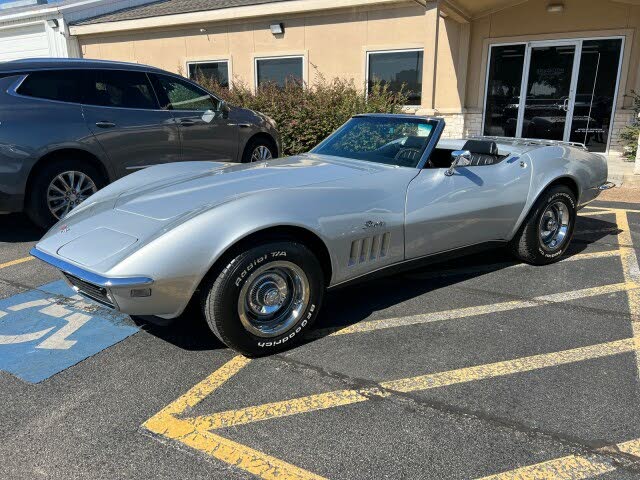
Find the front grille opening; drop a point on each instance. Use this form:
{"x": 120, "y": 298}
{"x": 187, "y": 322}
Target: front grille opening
{"x": 94, "y": 292}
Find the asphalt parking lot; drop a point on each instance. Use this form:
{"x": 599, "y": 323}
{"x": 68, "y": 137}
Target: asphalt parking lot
{"x": 478, "y": 368}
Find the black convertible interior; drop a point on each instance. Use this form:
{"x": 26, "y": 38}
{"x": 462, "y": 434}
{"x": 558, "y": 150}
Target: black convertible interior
{"x": 483, "y": 152}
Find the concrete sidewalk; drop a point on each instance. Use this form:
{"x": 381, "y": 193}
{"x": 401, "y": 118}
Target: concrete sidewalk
{"x": 621, "y": 171}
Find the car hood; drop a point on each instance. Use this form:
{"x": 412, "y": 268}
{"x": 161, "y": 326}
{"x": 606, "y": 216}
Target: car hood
{"x": 206, "y": 185}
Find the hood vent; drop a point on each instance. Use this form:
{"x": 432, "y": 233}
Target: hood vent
{"x": 369, "y": 249}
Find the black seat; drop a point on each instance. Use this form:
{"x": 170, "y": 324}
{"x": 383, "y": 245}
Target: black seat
{"x": 483, "y": 152}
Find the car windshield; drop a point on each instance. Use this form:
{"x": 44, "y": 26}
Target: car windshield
{"x": 390, "y": 140}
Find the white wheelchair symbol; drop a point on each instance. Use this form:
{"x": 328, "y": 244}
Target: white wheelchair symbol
{"x": 59, "y": 339}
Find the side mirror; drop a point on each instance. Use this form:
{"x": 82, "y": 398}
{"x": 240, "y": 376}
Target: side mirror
{"x": 461, "y": 158}
{"x": 224, "y": 109}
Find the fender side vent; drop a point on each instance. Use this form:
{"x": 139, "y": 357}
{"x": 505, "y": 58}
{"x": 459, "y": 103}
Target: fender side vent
{"x": 369, "y": 249}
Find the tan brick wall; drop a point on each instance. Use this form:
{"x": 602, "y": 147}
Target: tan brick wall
{"x": 621, "y": 119}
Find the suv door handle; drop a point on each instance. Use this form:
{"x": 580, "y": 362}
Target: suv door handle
{"x": 105, "y": 124}
{"x": 187, "y": 122}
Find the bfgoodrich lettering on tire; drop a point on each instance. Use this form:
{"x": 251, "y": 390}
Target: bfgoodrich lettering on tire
{"x": 265, "y": 298}
{"x": 546, "y": 232}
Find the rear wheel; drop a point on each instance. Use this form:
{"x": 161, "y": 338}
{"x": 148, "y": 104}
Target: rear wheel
{"x": 265, "y": 298}
{"x": 59, "y": 187}
{"x": 547, "y": 231}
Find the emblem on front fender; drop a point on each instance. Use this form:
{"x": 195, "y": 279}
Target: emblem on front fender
{"x": 372, "y": 224}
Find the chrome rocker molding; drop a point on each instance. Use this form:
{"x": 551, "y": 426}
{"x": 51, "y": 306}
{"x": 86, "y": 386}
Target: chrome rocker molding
{"x": 88, "y": 276}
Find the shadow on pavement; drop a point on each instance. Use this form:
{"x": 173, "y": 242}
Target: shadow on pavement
{"x": 17, "y": 228}
{"x": 350, "y": 305}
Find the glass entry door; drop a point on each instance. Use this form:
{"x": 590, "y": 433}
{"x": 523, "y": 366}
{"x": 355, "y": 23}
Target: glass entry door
{"x": 549, "y": 92}
{"x": 569, "y": 90}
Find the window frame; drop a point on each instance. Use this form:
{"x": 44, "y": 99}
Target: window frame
{"x": 257, "y": 58}
{"x": 394, "y": 50}
{"x": 579, "y": 37}
{"x": 188, "y": 63}
{"x": 155, "y": 83}
{"x": 25, "y": 74}
{"x": 85, "y": 94}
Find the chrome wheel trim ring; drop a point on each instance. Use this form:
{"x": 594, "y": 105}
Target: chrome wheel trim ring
{"x": 68, "y": 190}
{"x": 260, "y": 153}
{"x": 554, "y": 226}
{"x": 273, "y": 299}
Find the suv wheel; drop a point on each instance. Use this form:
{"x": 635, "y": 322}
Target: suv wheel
{"x": 258, "y": 150}
{"x": 59, "y": 187}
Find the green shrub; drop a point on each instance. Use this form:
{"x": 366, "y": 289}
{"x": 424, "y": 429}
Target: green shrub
{"x": 306, "y": 116}
{"x": 630, "y": 133}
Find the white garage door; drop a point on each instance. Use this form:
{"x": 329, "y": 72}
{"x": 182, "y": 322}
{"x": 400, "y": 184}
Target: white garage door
{"x": 23, "y": 42}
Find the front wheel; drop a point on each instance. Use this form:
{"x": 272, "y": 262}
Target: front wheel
{"x": 59, "y": 187}
{"x": 265, "y": 298}
{"x": 546, "y": 232}
{"x": 258, "y": 150}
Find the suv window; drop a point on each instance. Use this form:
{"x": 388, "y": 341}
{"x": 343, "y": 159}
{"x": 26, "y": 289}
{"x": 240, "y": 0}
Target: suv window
{"x": 60, "y": 85}
{"x": 181, "y": 95}
{"x": 119, "y": 88}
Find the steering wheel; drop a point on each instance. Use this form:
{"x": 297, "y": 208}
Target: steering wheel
{"x": 406, "y": 155}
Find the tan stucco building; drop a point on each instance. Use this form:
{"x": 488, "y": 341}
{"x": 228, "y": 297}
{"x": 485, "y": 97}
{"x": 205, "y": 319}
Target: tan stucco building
{"x": 467, "y": 60}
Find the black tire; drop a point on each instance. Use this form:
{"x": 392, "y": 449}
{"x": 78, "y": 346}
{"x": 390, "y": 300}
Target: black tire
{"x": 528, "y": 244}
{"x": 36, "y": 203}
{"x": 222, "y": 292}
{"x": 255, "y": 143}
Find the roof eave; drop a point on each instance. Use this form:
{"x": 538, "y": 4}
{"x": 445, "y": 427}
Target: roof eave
{"x": 221, "y": 15}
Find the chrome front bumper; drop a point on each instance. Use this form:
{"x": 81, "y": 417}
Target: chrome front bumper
{"x": 102, "y": 289}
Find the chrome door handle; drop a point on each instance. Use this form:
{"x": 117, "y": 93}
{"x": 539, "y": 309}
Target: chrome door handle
{"x": 105, "y": 124}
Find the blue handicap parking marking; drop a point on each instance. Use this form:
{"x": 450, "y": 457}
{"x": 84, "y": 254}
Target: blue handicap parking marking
{"x": 47, "y": 330}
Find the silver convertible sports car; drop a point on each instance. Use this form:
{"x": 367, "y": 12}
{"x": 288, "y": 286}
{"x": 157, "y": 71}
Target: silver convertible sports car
{"x": 258, "y": 244}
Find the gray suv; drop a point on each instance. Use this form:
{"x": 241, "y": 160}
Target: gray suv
{"x": 68, "y": 127}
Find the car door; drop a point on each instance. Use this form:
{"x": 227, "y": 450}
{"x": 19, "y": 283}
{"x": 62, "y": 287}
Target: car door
{"x": 476, "y": 204}
{"x": 205, "y": 131}
{"x": 124, "y": 115}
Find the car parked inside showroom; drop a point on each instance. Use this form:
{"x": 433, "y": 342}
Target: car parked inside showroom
{"x": 68, "y": 127}
{"x": 257, "y": 245}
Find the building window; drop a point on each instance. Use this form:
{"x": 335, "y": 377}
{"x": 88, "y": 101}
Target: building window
{"x": 279, "y": 71}
{"x": 399, "y": 70}
{"x": 214, "y": 71}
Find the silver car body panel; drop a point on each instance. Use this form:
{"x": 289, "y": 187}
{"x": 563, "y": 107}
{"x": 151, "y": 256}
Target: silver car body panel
{"x": 171, "y": 223}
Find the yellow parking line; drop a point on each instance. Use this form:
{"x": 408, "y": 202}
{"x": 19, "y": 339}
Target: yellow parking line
{"x": 168, "y": 424}
{"x": 489, "y": 267}
{"x": 630, "y": 266}
{"x": 466, "y": 312}
{"x": 413, "y": 384}
{"x": 15, "y": 262}
{"x": 571, "y": 467}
